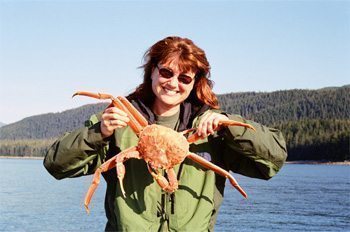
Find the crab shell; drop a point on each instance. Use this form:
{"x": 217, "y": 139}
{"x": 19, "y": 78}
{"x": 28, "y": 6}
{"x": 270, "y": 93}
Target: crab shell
{"x": 162, "y": 147}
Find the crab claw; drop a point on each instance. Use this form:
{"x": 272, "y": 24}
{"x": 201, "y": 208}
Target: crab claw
{"x": 94, "y": 95}
{"x": 235, "y": 123}
{"x": 194, "y": 137}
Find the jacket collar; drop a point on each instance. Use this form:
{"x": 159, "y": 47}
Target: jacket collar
{"x": 187, "y": 113}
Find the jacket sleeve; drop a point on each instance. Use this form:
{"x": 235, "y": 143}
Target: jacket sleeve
{"x": 76, "y": 153}
{"x": 258, "y": 154}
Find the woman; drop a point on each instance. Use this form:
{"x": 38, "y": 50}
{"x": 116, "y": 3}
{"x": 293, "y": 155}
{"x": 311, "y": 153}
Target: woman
{"x": 176, "y": 92}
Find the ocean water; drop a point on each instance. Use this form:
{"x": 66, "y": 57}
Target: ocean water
{"x": 299, "y": 198}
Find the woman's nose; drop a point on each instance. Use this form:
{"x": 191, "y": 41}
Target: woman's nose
{"x": 174, "y": 81}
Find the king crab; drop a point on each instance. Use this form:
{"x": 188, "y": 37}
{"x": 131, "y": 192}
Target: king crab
{"x": 160, "y": 147}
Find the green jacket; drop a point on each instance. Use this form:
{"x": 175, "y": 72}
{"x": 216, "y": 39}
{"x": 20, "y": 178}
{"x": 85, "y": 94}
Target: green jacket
{"x": 194, "y": 206}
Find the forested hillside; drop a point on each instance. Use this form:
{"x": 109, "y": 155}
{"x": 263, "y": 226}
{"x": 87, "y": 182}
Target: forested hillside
{"x": 292, "y": 105}
{"x": 316, "y": 123}
{"x": 47, "y": 126}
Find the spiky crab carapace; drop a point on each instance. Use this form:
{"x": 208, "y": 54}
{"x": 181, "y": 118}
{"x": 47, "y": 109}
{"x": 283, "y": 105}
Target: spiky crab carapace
{"x": 159, "y": 146}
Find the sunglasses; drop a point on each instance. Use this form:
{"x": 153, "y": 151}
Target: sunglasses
{"x": 167, "y": 73}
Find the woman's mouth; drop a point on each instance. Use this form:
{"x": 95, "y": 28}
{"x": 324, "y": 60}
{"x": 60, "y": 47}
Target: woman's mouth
{"x": 169, "y": 92}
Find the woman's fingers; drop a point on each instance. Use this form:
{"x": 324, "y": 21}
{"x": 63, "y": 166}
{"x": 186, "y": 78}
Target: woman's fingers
{"x": 113, "y": 118}
{"x": 115, "y": 110}
{"x": 202, "y": 127}
{"x": 115, "y": 114}
{"x": 209, "y": 124}
{"x": 217, "y": 120}
{"x": 116, "y": 123}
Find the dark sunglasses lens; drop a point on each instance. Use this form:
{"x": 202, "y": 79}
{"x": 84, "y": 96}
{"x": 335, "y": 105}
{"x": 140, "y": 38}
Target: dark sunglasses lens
{"x": 185, "y": 79}
{"x": 166, "y": 73}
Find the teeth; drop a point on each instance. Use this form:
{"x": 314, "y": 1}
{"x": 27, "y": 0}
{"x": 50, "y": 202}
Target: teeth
{"x": 170, "y": 92}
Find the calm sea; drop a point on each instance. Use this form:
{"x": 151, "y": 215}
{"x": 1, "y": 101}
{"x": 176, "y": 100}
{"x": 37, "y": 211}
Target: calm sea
{"x": 300, "y": 198}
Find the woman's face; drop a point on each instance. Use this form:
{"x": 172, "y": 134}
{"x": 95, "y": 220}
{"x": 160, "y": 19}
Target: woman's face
{"x": 169, "y": 86}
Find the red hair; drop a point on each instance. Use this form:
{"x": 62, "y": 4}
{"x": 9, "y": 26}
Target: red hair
{"x": 190, "y": 58}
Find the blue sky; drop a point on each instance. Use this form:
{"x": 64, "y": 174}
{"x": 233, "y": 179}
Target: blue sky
{"x": 50, "y": 49}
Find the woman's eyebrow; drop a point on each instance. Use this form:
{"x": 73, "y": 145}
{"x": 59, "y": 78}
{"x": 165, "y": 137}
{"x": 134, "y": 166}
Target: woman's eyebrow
{"x": 166, "y": 67}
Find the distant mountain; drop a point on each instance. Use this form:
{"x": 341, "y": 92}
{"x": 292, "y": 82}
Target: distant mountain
{"x": 51, "y": 125}
{"x": 273, "y": 108}
{"x": 2, "y": 124}
{"x": 316, "y": 123}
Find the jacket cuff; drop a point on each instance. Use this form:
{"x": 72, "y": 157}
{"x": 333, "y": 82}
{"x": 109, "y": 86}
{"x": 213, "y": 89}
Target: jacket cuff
{"x": 95, "y": 135}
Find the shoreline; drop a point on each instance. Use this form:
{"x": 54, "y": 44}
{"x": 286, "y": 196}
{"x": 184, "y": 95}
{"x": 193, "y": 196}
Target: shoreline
{"x": 21, "y": 157}
{"x": 347, "y": 162}
{"x": 314, "y": 162}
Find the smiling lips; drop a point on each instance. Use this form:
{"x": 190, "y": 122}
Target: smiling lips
{"x": 169, "y": 91}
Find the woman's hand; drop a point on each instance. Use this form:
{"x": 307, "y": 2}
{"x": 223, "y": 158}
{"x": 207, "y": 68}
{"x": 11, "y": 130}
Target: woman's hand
{"x": 210, "y": 123}
{"x": 112, "y": 118}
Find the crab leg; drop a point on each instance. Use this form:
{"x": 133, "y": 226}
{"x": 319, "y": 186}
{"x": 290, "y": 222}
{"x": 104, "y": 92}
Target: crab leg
{"x": 120, "y": 175}
{"x": 218, "y": 170}
{"x": 109, "y": 164}
{"x": 120, "y": 159}
{"x": 96, "y": 181}
{"x": 94, "y": 95}
{"x": 194, "y": 137}
{"x": 173, "y": 184}
{"x": 138, "y": 116}
{"x": 235, "y": 123}
{"x": 168, "y": 186}
{"x": 102, "y": 96}
{"x": 134, "y": 122}
{"x": 137, "y": 121}
{"x": 161, "y": 180}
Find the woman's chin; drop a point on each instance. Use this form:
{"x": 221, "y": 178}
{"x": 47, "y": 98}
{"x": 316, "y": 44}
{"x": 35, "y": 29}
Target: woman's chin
{"x": 169, "y": 101}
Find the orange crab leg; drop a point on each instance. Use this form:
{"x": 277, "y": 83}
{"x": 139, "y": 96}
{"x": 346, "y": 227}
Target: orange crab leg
{"x": 120, "y": 159}
{"x": 194, "y": 137}
{"x": 134, "y": 122}
{"x": 161, "y": 180}
{"x": 109, "y": 164}
{"x": 120, "y": 175}
{"x": 173, "y": 183}
{"x": 168, "y": 186}
{"x": 137, "y": 121}
{"x": 218, "y": 170}
{"x": 94, "y": 95}
{"x": 96, "y": 181}
{"x": 235, "y": 123}
{"x": 138, "y": 116}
